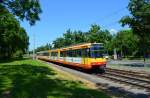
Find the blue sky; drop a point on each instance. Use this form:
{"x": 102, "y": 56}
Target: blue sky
{"x": 60, "y": 15}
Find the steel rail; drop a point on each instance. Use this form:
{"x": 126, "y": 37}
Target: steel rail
{"x": 132, "y": 73}
{"x": 124, "y": 81}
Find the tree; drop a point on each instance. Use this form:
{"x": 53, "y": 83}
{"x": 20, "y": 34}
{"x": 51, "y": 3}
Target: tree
{"x": 95, "y": 34}
{"x": 105, "y": 37}
{"x": 68, "y": 36}
{"x": 126, "y": 43}
{"x": 92, "y": 35}
{"x": 139, "y": 22}
{"x": 75, "y": 37}
{"x": 79, "y": 37}
{"x": 59, "y": 42}
{"x": 94, "y": 28}
{"x": 23, "y": 40}
{"x": 43, "y": 48}
{"x": 24, "y": 9}
{"x": 12, "y": 36}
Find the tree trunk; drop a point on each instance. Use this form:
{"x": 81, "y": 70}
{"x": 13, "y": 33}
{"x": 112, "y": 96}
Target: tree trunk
{"x": 144, "y": 50}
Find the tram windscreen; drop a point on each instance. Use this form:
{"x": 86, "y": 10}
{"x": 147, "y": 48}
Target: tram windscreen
{"x": 97, "y": 51}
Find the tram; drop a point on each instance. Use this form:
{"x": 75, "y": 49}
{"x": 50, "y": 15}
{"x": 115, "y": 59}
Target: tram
{"x": 87, "y": 56}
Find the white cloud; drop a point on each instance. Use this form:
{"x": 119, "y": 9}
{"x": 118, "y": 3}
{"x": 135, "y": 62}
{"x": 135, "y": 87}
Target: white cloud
{"x": 113, "y": 31}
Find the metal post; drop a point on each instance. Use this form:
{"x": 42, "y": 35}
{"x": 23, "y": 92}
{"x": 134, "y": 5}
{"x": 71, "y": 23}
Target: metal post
{"x": 33, "y": 46}
{"x": 115, "y": 54}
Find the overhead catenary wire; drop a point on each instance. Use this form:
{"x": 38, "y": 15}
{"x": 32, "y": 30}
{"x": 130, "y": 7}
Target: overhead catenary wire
{"x": 111, "y": 15}
{"x": 110, "y": 24}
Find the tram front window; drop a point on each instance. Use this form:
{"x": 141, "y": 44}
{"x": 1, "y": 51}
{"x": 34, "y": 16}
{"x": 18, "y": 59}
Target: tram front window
{"x": 97, "y": 51}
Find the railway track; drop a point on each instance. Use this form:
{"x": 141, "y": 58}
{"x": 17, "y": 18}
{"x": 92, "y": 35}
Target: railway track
{"x": 132, "y": 73}
{"x": 137, "y": 79}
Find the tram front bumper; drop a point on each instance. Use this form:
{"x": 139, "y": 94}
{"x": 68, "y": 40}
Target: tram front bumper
{"x": 101, "y": 65}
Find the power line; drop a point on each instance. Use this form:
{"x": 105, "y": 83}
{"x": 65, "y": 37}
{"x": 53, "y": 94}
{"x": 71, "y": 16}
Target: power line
{"x": 110, "y": 24}
{"x": 113, "y": 13}
{"x": 110, "y": 15}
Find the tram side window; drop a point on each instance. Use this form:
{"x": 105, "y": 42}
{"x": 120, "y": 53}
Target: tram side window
{"x": 64, "y": 53}
{"x": 46, "y": 54}
{"x": 78, "y": 53}
{"x": 86, "y": 52}
{"x": 54, "y": 53}
{"x": 74, "y": 53}
{"x": 69, "y": 53}
{"x": 61, "y": 54}
{"x": 39, "y": 54}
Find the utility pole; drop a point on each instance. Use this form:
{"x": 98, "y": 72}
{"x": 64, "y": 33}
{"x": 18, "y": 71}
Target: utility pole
{"x": 33, "y": 46}
{"x": 115, "y": 54}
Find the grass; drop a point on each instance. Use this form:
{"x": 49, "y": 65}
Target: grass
{"x": 25, "y": 78}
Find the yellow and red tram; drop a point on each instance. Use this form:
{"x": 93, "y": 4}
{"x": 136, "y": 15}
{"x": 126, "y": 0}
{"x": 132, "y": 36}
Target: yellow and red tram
{"x": 86, "y": 56}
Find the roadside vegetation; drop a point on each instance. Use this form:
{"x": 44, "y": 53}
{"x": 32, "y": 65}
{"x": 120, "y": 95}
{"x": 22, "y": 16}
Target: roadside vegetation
{"x": 26, "y": 78}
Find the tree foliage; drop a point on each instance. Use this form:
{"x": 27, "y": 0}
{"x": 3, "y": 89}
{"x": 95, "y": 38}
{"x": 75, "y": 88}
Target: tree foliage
{"x": 75, "y": 37}
{"x": 24, "y": 9}
{"x": 139, "y": 21}
{"x": 44, "y": 47}
{"x": 126, "y": 43}
{"x": 13, "y": 38}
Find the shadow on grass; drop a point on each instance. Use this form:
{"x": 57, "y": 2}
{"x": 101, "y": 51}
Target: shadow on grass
{"x": 9, "y": 60}
{"x": 28, "y": 81}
